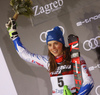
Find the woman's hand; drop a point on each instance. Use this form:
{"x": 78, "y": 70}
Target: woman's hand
{"x": 11, "y": 28}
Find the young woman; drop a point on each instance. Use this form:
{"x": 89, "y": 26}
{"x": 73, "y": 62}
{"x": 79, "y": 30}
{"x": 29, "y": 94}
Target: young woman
{"x": 58, "y": 61}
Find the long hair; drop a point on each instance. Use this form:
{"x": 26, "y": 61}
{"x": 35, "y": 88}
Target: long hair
{"x": 66, "y": 59}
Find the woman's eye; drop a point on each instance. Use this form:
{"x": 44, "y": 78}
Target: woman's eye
{"x": 55, "y": 43}
{"x": 49, "y": 45}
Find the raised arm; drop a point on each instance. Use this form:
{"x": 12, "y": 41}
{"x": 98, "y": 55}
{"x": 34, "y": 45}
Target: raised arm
{"x": 21, "y": 50}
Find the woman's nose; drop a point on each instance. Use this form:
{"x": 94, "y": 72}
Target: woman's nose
{"x": 53, "y": 46}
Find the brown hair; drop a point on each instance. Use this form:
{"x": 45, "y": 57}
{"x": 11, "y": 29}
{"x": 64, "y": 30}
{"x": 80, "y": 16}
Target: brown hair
{"x": 66, "y": 59}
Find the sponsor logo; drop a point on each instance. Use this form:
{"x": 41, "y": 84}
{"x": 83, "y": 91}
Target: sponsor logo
{"x": 58, "y": 91}
{"x": 91, "y": 44}
{"x": 88, "y": 20}
{"x": 48, "y": 8}
{"x": 97, "y": 90}
{"x": 37, "y": 63}
{"x": 73, "y": 46}
{"x": 94, "y": 67}
{"x": 50, "y": 37}
{"x": 60, "y": 68}
{"x": 75, "y": 55}
{"x": 44, "y": 34}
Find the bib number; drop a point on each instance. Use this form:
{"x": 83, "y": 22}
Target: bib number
{"x": 60, "y": 82}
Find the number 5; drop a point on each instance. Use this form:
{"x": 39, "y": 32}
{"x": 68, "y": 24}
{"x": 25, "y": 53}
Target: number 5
{"x": 60, "y": 82}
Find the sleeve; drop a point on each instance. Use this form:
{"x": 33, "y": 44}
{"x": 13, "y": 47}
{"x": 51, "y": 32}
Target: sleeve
{"x": 88, "y": 82}
{"x": 30, "y": 57}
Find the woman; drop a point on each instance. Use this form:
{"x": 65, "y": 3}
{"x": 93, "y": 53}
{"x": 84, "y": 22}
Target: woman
{"x": 58, "y": 61}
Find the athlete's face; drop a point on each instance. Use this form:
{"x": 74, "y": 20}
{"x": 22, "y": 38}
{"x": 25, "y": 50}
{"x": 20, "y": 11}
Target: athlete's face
{"x": 55, "y": 48}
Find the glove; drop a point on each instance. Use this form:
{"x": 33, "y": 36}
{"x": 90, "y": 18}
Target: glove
{"x": 74, "y": 45}
{"x": 11, "y": 28}
{"x": 66, "y": 91}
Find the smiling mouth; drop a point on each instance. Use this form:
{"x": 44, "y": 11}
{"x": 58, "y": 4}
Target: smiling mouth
{"x": 55, "y": 51}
